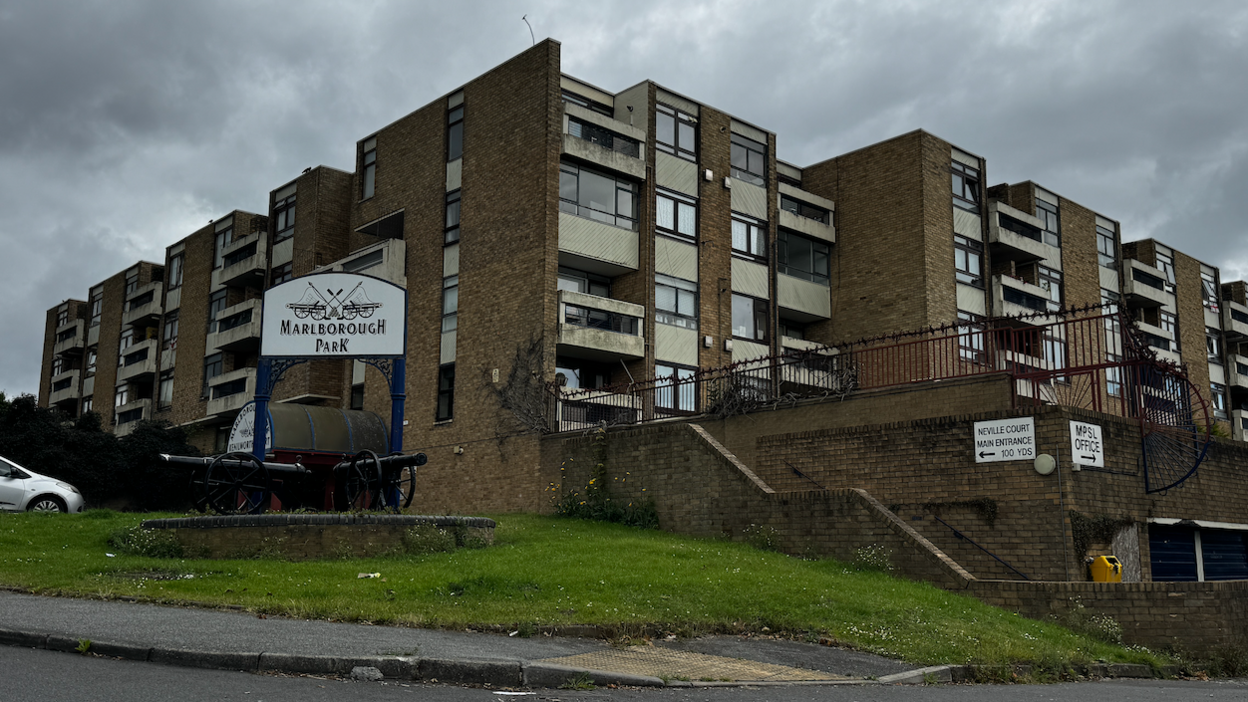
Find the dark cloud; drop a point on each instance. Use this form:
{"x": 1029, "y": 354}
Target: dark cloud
{"x": 126, "y": 125}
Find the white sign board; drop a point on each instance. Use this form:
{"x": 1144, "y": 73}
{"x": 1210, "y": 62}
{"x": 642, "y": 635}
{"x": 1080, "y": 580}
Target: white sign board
{"x": 1005, "y": 440}
{"x": 244, "y": 429}
{"x": 1086, "y": 446}
{"x": 335, "y": 315}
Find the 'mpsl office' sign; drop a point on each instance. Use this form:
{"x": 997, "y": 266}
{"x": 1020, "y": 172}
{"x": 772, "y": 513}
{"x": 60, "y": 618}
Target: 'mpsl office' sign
{"x": 340, "y": 315}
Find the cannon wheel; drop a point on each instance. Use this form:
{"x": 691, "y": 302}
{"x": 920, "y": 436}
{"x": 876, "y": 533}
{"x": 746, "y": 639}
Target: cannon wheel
{"x": 405, "y": 483}
{"x": 243, "y": 489}
{"x": 362, "y": 482}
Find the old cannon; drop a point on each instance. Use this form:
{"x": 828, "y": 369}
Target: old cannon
{"x": 240, "y": 483}
{"x": 315, "y": 457}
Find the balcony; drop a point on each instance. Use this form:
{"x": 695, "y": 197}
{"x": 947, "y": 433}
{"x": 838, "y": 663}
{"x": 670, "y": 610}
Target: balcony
{"x": 65, "y": 387}
{"x": 244, "y": 261}
{"x": 128, "y": 415}
{"x": 600, "y": 328}
{"x": 237, "y": 327}
{"x": 1237, "y": 371}
{"x": 1012, "y": 297}
{"x": 386, "y": 260}
{"x": 808, "y": 225}
{"x": 144, "y": 305}
{"x": 228, "y": 392}
{"x": 603, "y": 141}
{"x": 1014, "y": 235}
{"x": 138, "y": 361}
{"x": 803, "y": 300}
{"x": 70, "y": 337}
{"x": 1234, "y": 321}
{"x": 1239, "y": 425}
{"x": 597, "y": 247}
{"x": 579, "y": 409}
{"x": 1145, "y": 286}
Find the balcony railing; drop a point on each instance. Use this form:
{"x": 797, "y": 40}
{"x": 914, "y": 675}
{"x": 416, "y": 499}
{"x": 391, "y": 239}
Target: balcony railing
{"x": 243, "y": 261}
{"x": 228, "y": 392}
{"x": 600, "y": 327}
{"x": 70, "y": 337}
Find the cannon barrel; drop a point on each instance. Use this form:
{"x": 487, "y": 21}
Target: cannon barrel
{"x": 204, "y": 462}
{"x": 388, "y": 463}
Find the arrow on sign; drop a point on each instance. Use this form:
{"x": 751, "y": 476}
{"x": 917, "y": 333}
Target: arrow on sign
{"x": 1089, "y": 459}
{"x": 983, "y": 454}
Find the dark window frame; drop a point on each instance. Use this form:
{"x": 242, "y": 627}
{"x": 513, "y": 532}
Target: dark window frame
{"x": 445, "y": 406}
{"x": 680, "y": 203}
{"x": 177, "y": 264}
{"x": 968, "y": 261}
{"x": 283, "y": 216}
{"x": 966, "y": 185}
{"x": 450, "y": 230}
{"x": 805, "y": 209}
{"x": 217, "y": 302}
{"x": 759, "y": 314}
{"x": 450, "y": 303}
{"x": 368, "y": 167}
{"x": 214, "y": 365}
{"x": 1050, "y": 215}
{"x": 281, "y": 274}
{"x": 746, "y": 155}
{"x": 785, "y": 241}
{"x": 169, "y": 331}
{"x": 755, "y": 237}
{"x": 677, "y": 118}
{"x": 675, "y": 388}
{"x": 622, "y": 186}
{"x": 1106, "y": 247}
{"x": 684, "y": 313}
{"x": 455, "y": 133}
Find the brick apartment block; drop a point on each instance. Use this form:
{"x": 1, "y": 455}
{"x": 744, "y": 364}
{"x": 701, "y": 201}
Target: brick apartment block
{"x": 546, "y": 228}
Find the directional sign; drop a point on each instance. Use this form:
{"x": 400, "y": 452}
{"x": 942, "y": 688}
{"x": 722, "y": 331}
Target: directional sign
{"x": 1086, "y": 446}
{"x": 1005, "y": 440}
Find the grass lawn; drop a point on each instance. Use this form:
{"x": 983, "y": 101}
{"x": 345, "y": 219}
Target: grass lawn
{"x": 548, "y": 570}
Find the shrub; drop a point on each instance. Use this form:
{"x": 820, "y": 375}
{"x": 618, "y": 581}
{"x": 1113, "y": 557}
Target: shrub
{"x": 152, "y": 543}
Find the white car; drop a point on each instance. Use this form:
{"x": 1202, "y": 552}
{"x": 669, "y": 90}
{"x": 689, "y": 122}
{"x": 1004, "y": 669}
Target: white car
{"x": 24, "y": 490}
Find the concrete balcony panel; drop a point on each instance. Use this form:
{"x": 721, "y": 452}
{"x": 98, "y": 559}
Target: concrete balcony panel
{"x": 138, "y": 361}
{"x": 1012, "y": 297}
{"x": 750, "y": 278}
{"x": 602, "y": 156}
{"x": 173, "y": 299}
{"x": 808, "y": 227}
{"x": 1237, "y": 371}
{"x": 226, "y": 394}
{"x": 1234, "y": 320}
{"x": 88, "y": 386}
{"x": 138, "y": 314}
{"x": 1156, "y": 331}
{"x": 1007, "y": 244}
{"x": 788, "y": 343}
{"x": 138, "y": 409}
{"x": 803, "y": 300}
{"x": 1239, "y": 425}
{"x": 749, "y": 199}
{"x": 676, "y": 173}
{"x": 237, "y": 327}
{"x": 93, "y": 335}
{"x": 675, "y": 344}
{"x": 600, "y": 248}
{"x": 249, "y": 270}
{"x": 600, "y": 328}
{"x": 71, "y": 337}
{"x": 70, "y": 386}
{"x": 386, "y": 260}
{"x": 1140, "y": 290}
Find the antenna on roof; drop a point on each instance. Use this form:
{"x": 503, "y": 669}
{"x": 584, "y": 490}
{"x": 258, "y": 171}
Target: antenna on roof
{"x": 525, "y": 19}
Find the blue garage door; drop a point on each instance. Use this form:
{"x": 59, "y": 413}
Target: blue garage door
{"x": 1226, "y": 556}
{"x": 1173, "y": 552}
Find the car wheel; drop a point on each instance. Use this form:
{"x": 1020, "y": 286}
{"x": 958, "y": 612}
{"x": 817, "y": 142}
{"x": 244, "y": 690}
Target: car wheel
{"x": 46, "y": 503}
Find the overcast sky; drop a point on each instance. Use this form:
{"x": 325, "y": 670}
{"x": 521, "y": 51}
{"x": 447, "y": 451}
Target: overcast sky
{"x": 126, "y": 125}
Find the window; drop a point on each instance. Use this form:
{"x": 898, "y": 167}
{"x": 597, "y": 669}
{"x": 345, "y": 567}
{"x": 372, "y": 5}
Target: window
{"x": 1170, "y": 322}
{"x": 170, "y": 339}
{"x": 802, "y": 209}
{"x": 216, "y": 304}
{"x": 1113, "y": 376}
{"x": 676, "y": 132}
{"x": 1217, "y": 395}
{"x": 450, "y": 303}
{"x": 225, "y": 233}
{"x": 604, "y": 137}
{"x": 749, "y": 237}
{"x": 446, "y": 392}
{"x": 284, "y": 213}
{"x": 281, "y": 274}
{"x": 1051, "y": 280}
{"x": 363, "y": 263}
{"x": 1209, "y": 289}
{"x": 802, "y": 258}
{"x": 588, "y": 104}
{"x": 450, "y": 233}
{"x": 92, "y": 356}
{"x": 455, "y": 133}
{"x": 1213, "y": 344}
{"x": 88, "y": 404}
{"x": 58, "y": 366}
{"x": 675, "y": 302}
{"x": 124, "y": 342}
{"x": 1109, "y": 307}
{"x": 164, "y": 396}
{"x": 583, "y": 282}
{"x": 357, "y": 396}
{"x": 965, "y": 186}
{"x": 749, "y": 318}
{"x": 1165, "y": 264}
{"x": 588, "y": 193}
{"x": 388, "y": 227}
{"x": 97, "y": 304}
{"x": 1105, "y": 250}
{"x": 175, "y": 271}
{"x": 62, "y": 316}
{"x": 749, "y": 160}
{"x": 675, "y": 389}
{"x": 212, "y": 368}
{"x": 141, "y": 301}
{"x": 792, "y": 329}
{"x": 132, "y": 280}
{"x": 574, "y": 373}
{"x": 971, "y": 337}
{"x": 369, "y": 163}
{"x": 675, "y": 215}
{"x": 1048, "y": 215}
{"x": 121, "y": 396}
{"x": 968, "y": 261}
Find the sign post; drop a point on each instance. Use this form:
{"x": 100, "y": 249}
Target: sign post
{"x": 332, "y": 315}
{"x": 1005, "y": 440}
